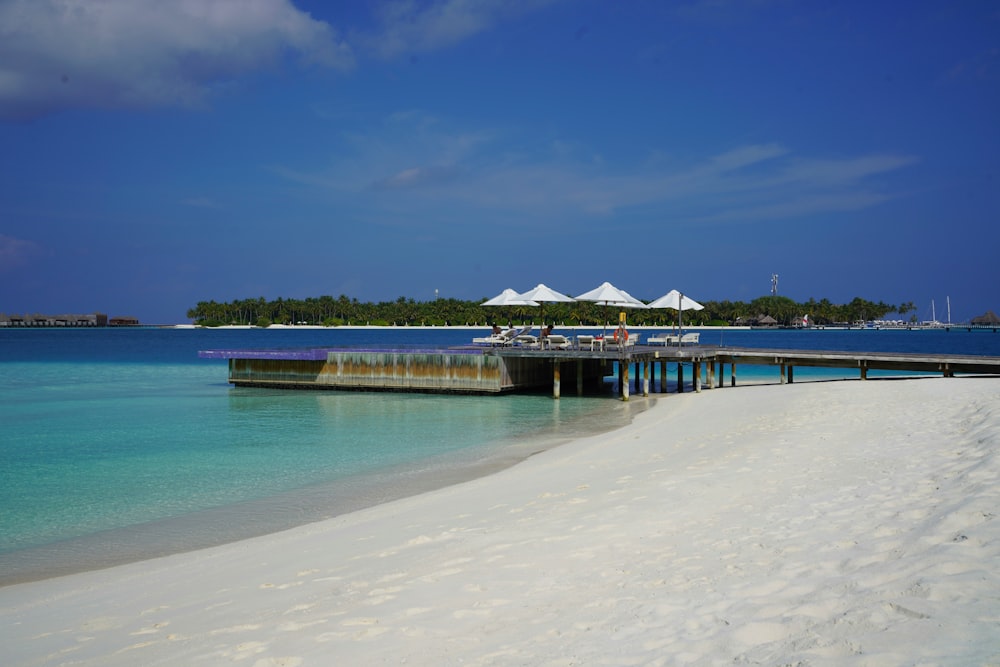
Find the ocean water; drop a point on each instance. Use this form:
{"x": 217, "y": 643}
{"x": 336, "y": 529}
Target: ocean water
{"x": 122, "y": 444}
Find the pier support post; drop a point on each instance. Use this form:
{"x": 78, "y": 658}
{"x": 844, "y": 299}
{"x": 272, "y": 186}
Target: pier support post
{"x": 696, "y": 368}
{"x": 645, "y": 377}
{"x": 783, "y": 374}
{"x": 680, "y": 378}
{"x": 556, "y": 380}
{"x": 579, "y": 377}
{"x": 732, "y": 374}
{"x": 663, "y": 377}
{"x": 623, "y": 378}
{"x": 791, "y": 374}
{"x": 864, "y": 371}
{"x": 711, "y": 374}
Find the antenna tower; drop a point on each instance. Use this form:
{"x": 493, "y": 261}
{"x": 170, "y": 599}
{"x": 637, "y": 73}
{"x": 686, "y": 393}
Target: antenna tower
{"x": 774, "y": 284}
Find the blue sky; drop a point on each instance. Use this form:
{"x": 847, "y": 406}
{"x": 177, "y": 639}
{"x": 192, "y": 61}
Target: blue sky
{"x": 154, "y": 154}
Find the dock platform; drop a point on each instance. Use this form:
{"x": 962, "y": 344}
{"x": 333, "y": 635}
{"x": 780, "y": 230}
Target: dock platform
{"x": 477, "y": 369}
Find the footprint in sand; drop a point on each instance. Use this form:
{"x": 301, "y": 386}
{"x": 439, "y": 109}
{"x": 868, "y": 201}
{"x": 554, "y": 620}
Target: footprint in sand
{"x": 153, "y": 610}
{"x": 278, "y": 662}
{"x": 417, "y": 611}
{"x": 234, "y": 629}
{"x": 299, "y": 608}
{"x": 156, "y": 627}
{"x": 246, "y": 650}
{"x": 368, "y": 626}
{"x": 101, "y": 623}
{"x": 295, "y": 627}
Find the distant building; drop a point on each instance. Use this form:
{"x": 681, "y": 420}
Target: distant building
{"x": 764, "y": 321}
{"x": 987, "y": 318}
{"x": 65, "y": 320}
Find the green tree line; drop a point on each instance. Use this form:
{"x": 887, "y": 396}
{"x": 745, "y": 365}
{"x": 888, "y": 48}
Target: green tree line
{"x": 342, "y": 310}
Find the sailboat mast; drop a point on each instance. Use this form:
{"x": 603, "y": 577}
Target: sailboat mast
{"x": 948, "y": 301}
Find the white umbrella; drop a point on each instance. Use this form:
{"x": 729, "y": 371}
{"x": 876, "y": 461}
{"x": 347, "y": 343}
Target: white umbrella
{"x": 543, "y": 294}
{"x": 610, "y": 295}
{"x": 634, "y": 301}
{"x": 508, "y": 297}
{"x": 679, "y": 302}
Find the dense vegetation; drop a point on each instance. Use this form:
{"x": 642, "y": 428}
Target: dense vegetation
{"x": 330, "y": 311}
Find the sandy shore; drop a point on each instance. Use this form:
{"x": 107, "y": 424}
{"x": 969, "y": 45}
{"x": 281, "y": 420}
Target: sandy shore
{"x": 817, "y": 524}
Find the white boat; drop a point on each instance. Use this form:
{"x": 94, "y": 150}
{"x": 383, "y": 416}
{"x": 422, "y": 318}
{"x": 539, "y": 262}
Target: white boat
{"x": 933, "y": 323}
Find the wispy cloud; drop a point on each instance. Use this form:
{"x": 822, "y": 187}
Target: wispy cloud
{"x": 406, "y": 27}
{"x": 984, "y": 66}
{"x": 60, "y": 54}
{"x": 15, "y": 253}
{"x": 418, "y": 177}
{"x": 420, "y": 165}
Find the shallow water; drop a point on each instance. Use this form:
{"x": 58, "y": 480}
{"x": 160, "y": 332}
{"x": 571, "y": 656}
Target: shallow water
{"x": 122, "y": 444}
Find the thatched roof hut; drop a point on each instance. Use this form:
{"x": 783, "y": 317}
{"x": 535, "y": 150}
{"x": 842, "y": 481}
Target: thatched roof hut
{"x": 766, "y": 321}
{"x": 989, "y": 317}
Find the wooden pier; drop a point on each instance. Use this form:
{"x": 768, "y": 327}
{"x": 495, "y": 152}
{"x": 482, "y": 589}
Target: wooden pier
{"x": 495, "y": 370}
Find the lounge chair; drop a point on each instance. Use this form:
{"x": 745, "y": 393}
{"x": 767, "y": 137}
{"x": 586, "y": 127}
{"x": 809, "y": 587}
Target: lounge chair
{"x": 663, "y": 339}
{"x": 690, "y": 338}
{"x": 494, "y": 340}
{"x": 524, "y": 337}
{"x": 555, "y": 342}
{"x": 612, "y": 344}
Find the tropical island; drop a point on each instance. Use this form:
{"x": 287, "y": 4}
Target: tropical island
{"x": 329, "y": 311}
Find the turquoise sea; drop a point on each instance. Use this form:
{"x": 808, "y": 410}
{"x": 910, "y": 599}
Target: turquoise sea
{"x": 122, "y": 444}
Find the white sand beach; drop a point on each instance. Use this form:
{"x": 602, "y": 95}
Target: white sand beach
{"x": 814, "y": 524}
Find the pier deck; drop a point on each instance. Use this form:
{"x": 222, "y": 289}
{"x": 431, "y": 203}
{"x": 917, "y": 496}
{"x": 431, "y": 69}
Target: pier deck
{"x": 492, "y": 370}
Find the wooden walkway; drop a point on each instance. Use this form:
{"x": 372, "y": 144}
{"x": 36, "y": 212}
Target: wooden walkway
{"x": 490, "y": 370}
{"x": 642, "y": 362}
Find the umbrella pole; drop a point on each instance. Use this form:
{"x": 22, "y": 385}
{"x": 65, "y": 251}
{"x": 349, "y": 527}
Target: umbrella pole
{"x": 680, "y": 322}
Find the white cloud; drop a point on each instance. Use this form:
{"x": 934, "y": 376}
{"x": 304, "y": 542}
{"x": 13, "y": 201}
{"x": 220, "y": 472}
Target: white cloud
{"x": 411, "y": 27}
{"x": 59, "y": 54}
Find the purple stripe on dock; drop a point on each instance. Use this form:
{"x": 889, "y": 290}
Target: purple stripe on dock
{"x": 320, "y": 353}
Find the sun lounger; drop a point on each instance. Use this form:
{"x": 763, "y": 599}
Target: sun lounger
{"x": 496, "y": 340}
{"x": 612, "y": 344}
{"x": 663, "y": 339}
{"x": 555, "y": 341}
{"x": 524, "y": 337}
{"x": 690, "y": 338}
